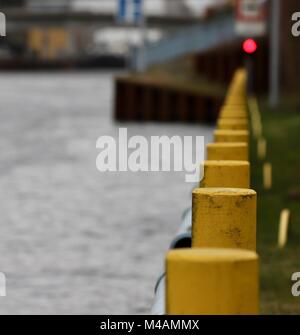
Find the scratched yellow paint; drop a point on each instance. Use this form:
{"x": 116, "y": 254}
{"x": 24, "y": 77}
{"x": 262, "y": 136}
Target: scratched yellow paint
{"x": 219, "y": 274}
{"x": 212, "y": 282}
{"x": 224, "y": 218}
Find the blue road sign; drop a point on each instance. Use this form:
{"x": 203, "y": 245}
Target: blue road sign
{"x": 130, "y": 11}
{"x": 122, "y": 10}
{"x": 137, "y": 10}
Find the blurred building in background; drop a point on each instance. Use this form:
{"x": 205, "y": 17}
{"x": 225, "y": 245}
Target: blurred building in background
{"x": 87, "y": 33}
{"x": 81, "y": 31}
{"x": 68, "y": 32}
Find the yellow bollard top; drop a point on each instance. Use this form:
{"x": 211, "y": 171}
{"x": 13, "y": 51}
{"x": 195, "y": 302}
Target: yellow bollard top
{"x": 219, "y": 255}
{"x": 225, "y": 163}
{"x": 233, "y": 113}
{"x": 228, "y": 145}
{"x": 229, "y": 132}
{"x": 229, "y": 192}
{"x": 231, "y": 136}
{"x": 228, "y": 151}
{"x": 233, "y": 124}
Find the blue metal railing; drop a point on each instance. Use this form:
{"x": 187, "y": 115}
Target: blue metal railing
{"x": 200, "y": 37}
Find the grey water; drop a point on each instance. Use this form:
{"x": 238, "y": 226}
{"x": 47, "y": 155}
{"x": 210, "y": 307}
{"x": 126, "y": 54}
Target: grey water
{"x": 74, "y": 240}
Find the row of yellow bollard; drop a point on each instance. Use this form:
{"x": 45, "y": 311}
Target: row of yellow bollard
{"x": 219, "y": 274}
{"x": 267, "y": 168}
{"x": 257, "y": 131}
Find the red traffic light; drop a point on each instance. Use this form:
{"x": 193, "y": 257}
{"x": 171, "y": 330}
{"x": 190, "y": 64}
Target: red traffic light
{"x": 249, "y": 46}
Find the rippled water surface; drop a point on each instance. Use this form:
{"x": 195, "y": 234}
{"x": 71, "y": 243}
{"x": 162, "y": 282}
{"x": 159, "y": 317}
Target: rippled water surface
{"x": 73, "y": 240}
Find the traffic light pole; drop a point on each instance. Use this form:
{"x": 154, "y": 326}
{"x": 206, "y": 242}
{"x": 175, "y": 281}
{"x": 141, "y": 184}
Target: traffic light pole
{"x": 274, "y": 53}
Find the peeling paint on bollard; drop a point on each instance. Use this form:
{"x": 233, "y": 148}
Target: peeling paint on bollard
{"x": 212, "y": 282}
{"x": 219, "y": 274}
{"x": 224, "y": 218}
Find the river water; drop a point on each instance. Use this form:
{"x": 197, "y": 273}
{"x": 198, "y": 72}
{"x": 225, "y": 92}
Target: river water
{"x": 74, "y": 240}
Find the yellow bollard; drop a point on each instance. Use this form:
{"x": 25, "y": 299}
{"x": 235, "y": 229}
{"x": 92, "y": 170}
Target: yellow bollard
{"x": 261, "y": 148}
{"x": 233, "y": 113}
{"x": 212, "y": 282}
{"x": 237, "y": 105}
{"x": 224, "y": 218}
{"x": 267, "y": 176}
{"x": 257, "y": 128}
{"x": 235, "y": 100}
{"x": 231, "y": 136}
{"x": 283, "y": 228}
{"x": 235, "y": 174}
{"x": 228, "y": 151}
{"x": 233, "y": 124}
